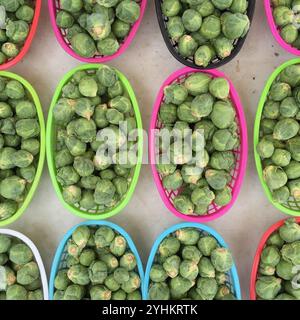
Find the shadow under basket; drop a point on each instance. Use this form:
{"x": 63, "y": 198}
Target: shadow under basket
{"x": 189, "y": 62}
{"x": 237, "y": 174}
{"x": 260, "y": 248}
{"x": 60, "y": 34}
{"x": 232, "y": 276}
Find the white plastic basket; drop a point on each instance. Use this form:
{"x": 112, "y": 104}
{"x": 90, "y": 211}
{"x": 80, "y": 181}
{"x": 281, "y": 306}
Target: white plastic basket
{"x": 36, "y": 255}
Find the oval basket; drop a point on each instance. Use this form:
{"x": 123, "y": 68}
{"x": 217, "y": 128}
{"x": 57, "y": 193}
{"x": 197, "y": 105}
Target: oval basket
{"x": 173, "y": 47}
{"x": 50, "y": 146}
{"x": 41, "y": 161}
{"x": 233, "y": 278}
{"x": 60, "y": 35}
{"x": 237, "y": 174}
{"x": 61, "y": 252}
{"x": 292, "y": 207}
{"x": 275, "y": 30}
{"x": 260, "y": 248}
{"x": 36, "y": 255}
{"x": 33, "y": 27}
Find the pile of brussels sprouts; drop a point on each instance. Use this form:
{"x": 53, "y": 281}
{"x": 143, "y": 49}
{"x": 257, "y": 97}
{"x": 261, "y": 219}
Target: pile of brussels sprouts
{"x": 19, "y": 273}
{"x": 15, "y": 20}
{"x": 286, "y": 16}
{"x": 205, "y": 30}
{"x": 279, "y": 145}
{"x": 198, "y": 159}
{"x": 97, "y": 27}
{"x": 279, "y": 271}
{"x": 93, "y": 105}
{"x": 19, "y": 145}
{"x": 99, "y": 266}
{"x": 191, "y": 265}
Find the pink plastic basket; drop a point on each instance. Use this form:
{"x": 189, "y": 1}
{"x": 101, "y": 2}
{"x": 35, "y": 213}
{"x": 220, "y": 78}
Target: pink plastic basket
{"x": 275, "y": 30}
{"x": 241, "y": 153}
{"x": 54, "y": 6}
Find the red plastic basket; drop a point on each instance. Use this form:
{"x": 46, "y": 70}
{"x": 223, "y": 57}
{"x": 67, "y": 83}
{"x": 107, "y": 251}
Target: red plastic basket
{"x": 260, "y": 248}
{"x": 33, "y": 27}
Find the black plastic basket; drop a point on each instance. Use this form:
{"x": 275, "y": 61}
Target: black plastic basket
{"x": 172, "y": 45}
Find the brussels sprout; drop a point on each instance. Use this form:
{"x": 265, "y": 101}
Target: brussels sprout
{"x": 132, "y": 284}
{"x": 28, "y": 273}
{"x": 120, "y": 29}
{"x": 223, "y": 197}
{"x": 289, "y": 33}
{"x": 83, "y": 45}
{"x": 67, "y": 176}
{"x": 202, "y": 105}
{"x": 7, "y": 209}
{"x": 285, "y": 270}
{"x": 171, "y": 8}
{"x": 118, "y": 246}
{"x": 221, "y": 259}
{"x": 290, "y": 231}
{"x": 5, "y": 243}
{"x": 179, "y": 286}
{"x": 266, "y": 270}
{"x": 61, "y": 281}
{"x": 157, "y": 273}
{"x": 191, "y": 253}
{"x": 291, "y": 290}
{"x": 103, "y": 237}
{"x": 267, "y": 287}
{"x": 211, "y": 27}
{"x": 159, "y": 291}
{"x": 203, "y": 55}
{"x": 171, "y": 266}
{"x": 173, "y": 181}
{"x": 175, "y": 28}
{"x": 217, "y": 179}
{"x": 270, "y": 256}
{"x": 219, "y": 88}
{"x": 207, "y": 244}
{"x": 189, "y": 270}
{"x": 275, "y": 240}
{"x": 191, "y": 20}
{"x": 288, "y": 107}
{"x": 291, "y": 252}
{"x": 104, "y": 192}
{"x": 274, "y": 177}
{"x": 16, "y": 292}
{"x": 286, "y": 129}
{"x": 87, "y": 200}
{"x": 188, "y": 236}
{"x": 74, "y": 292}
{"x": 12, "y": 187}
{"x": 169, "y": 246}
{"x": 107, "y": 76}
{"x": 222, "y": 114}
{"x": 64, "y": 19}
{"x": 128, "y": 11}
{"x": 279, "y": 91}
{"x": 72, "y": 194}
{"x": 183, "y": 204}
{"x": 111, "y": 284}
{"x": 118, "y": 295}
{"x": 206, "y": 269}
{"x": 128, "y": 261}
{"x": 207, "y": 288}
{"x": 20, "y": 254}
{"x": 97, "y": 272}
{"x": 197, "y": 83}
{"x": 281, "y": 195}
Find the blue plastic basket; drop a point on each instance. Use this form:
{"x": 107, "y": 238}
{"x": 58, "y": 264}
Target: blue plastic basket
{"x": 59, "y": 261}
{"x": 233, "y": 278}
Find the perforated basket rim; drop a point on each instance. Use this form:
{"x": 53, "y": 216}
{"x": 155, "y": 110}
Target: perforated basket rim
{"x": 275, "y": 32}
{"x": 243, "y": 146}
{"x": 37, "y": 257}
{"x": 61, "y": 248}
{"x": 259, "y": 250}
{"x": 213, "y": 65}
{"x": 28, "y": 42}
{"x": 50, "y": 152}
{"x": 41, "y": 161}
{"x": 258, "y": 117}
{"x": 69, "y": 50}
{"x": 233, "y": 272}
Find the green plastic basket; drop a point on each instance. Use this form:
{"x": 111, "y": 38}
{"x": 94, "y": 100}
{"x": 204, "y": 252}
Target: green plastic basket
{"x": 291, "y": 207}
{"x": 50, "y": 148}
{"x": 41, "y": 161}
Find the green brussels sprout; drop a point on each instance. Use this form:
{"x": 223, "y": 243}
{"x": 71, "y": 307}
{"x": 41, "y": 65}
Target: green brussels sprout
{"x": 202, "y": 105}
{"x": 291, "y": 252}
{"x": 27, "y": 128}
{"x": 219, "y": 88}
{"x": 75, "y": 146}
{"x": 132, "y": 284}
{"x": 221, "y": 278}
{"x": 223, "y": 47}
{"x": 267, "y": 287}
{"x": 87, "y": 200}
{"x": 84, "y": 45}
{"x": 175, "y": 28}
{"x": 121, "y": 275}
{"x": 284, "y": 296}
{"x": 12, "y": 188}
{"x": 63, "y": 158}
{"x": 207, "y": 288}
{"x": 211, "y": 27}
{"x": 187, "y": 46}
{"x": 74, "y": 292}
{"x": 28, "y": 273}
{"x": 128, "y": 261}
{"x": 128, "y": 11}
{"x": 22, "y": 159}
{"x": 158, "y": 273}
{"x": 118, "y": 295}
{"x": 270, "y": 256}
{"x": 71, "y": 194}
{"x": 222, "y": 160}
{"x": 110, "y": 260}
{"x": 275, "y": 240}
{"x": 135, "y": 295}
{"x": 7, "y": 209}
{"x": 275, "y": 177}
{"x": 5, "y": 243}
{"x": 289, "y": 33}
{"x": 221, "y": 259}
{"x": 98, "y": 25}
{"x": 189, "y": 270}
{"x": 35, "y": 295}
{"x": 107, "y": 76}
{"x": 203, "y": 55}
{"x": 16, "y": 292}
{"x": 191, "y": 174}
{"x": 223, "y": 197}
{"x": 235, "y": 25}
{"x": 188, "y": 236}
{"x": 3, "y": 259}
{"x": 5, "y": 110}
{"x": 217, "y": 179}
{"x": 286, "y": 129}
{"x": 191, "y": 253}
{"x": 64, "y": 19}
{"x": 183, "y": 204}
{"x": 171, "y": 8}
{"x": 171, "y": 266}
{"x": 62, "y": 281}
{"x": 168, "y": 113}
{"x": 89, "y": 182}
{"x": 81, "y": 236}
{"x": 166, "y": 169}
{"x": 197, "y": 83}
{"x": 118, "y": 246}
{"x": 20, "y": 254}
{"x": 191, "y": 20}
{"x": 271, "y": 109}
{"x": 290, "y": 75}
{"x": 120, "y": 29}
{"x": 293, "y": 145}
{"x": 6, "y": 158}
{"x": 288, "y": 107}
{"x": 290, "y": 231}
{"x": 281, "y": 195}
{"x": 279, "y": 91}
{"x": 79, "y": 274}
{"x": 175, "y": 94}
{"x": 179, "y": 286}
{"x": 100, "y": 292}
{"x": 222, "y": 4}
{"x": 285, "y": 270}
{"x": 281, "y": 157}
{"x": 207, "y": 244}
{"x": 206, "y": 269}
{"x": 159, "y": 291}
{"x": 104, "y": 237}
{"x": 97, "y": 272}
{"x": 104, "y": 192}
{"x": 291, "y": 290}
{"x": 111, "y": 283}
{"x": 67, "y": 176}
{"x": 239, "y": 6}
{"x": 266, "y": 270}
{"x": 173, "y": 181}
{"x": 222, "y": 114}
{"x": 169, "y": 246}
